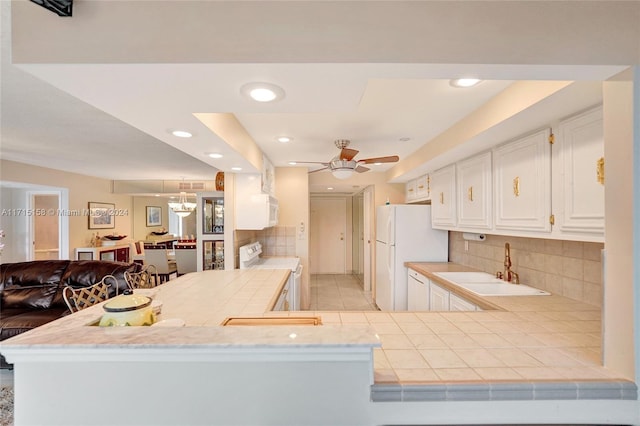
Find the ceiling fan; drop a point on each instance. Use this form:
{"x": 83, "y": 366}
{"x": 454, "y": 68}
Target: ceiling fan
{"x": 343, "y": 164}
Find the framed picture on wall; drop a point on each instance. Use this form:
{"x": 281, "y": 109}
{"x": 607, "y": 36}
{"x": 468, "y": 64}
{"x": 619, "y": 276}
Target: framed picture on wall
{"x": 101, "y": 215}
{"x": 154, "y": 216}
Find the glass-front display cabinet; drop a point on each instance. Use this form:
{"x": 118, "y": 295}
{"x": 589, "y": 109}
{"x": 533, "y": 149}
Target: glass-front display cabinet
{"x": 213, "y": 215}
{"x": 213, "y": 255}
{"x": 212, "y": 233}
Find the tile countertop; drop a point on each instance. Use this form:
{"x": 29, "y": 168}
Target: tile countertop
{"x": 516, "y": 339}
{"x": 202, "y": 300}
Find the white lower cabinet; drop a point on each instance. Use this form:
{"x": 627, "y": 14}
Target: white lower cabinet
{"x": 417, "y": 291}
{"x": 457, "y": 303}
{"x": 438, "y": 298}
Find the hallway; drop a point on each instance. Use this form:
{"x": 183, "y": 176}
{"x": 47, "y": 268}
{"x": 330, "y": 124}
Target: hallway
{"x": 339, "y": 293}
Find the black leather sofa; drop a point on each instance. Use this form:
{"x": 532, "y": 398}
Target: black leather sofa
{"x": 31, "y": 292}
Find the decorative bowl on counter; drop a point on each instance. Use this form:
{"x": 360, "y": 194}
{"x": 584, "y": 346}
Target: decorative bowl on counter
{"x": 128, "y": 309}
{"x": 114, "y": 237}
{"x": 159, "y": 233}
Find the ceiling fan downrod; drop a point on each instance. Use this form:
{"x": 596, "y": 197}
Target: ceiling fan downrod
{"x": 342, "y": 143}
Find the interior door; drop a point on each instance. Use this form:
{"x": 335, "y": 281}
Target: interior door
{"x": 46, "y": 227}
{"x": 327, "y": 235}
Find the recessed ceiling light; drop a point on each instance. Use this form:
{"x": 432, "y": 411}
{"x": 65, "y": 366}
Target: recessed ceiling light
{"x": 292, "y": 163}
{"x": 405, "y": 139}
{"x": 214, "y": 155}
{"x": 237, "y": 169}
{"x": 182, "y": 133}
{"x": 330, "y": 188}
{"x": 284, "y": 139}
{"x": 377, "y": 164}
{"x": 465, "y": 82}
{"x": 262, "y": 92}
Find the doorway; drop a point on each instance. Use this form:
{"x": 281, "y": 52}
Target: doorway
{"x": 47, "y": 225}
{"x": 328, "y": 235}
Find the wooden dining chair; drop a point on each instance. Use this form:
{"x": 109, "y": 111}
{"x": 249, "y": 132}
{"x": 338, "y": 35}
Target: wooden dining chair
{"x": 78, "y": 299}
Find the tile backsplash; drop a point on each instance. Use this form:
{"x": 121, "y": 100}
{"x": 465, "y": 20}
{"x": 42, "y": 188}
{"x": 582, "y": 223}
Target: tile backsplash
{"x": 569, "y": 268}
{"x": 276, "y": 241}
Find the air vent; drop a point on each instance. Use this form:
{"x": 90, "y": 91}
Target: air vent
{"x": 197, "y": 185}
{"x": 184, "y": 185}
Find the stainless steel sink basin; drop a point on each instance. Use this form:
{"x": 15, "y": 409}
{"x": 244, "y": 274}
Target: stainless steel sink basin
{"x": 484, "y": 284}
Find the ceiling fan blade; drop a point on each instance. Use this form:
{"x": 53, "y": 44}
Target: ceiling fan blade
{"x": 311, "y": 162}
{"x": 318, "y": 170}
{"x": 348, "y": 154}
{"x": 362, "y": 169}
{"x": 389, "y": 159}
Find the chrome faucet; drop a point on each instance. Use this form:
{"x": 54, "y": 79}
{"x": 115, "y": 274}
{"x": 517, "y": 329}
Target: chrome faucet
{"x": 508, "y": 275}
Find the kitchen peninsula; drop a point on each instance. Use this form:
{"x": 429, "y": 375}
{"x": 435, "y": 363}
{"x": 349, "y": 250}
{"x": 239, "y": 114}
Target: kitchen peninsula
{"x": 208, "y": 374}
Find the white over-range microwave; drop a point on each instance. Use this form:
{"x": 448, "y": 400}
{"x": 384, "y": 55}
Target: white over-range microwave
{"x": 256, "y": 211}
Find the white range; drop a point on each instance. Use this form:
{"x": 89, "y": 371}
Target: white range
{"x": 250, "y": 258}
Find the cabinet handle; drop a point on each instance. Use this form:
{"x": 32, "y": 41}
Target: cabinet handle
{"x": 442, "y": 198}
{"x": 410, "y": 189}
{"x": 516, "y": 186}
{"x": 470, "y": 193}
{"x": 600, "y": 170}
{"x": 421, "y": 186}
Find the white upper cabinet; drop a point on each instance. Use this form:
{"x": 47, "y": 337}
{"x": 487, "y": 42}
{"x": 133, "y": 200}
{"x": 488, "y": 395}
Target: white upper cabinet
{"x": 579, "y": 175}
{"x": 443, "y": 198}
{"x": 410, "y": 194}
{"x": 522, "y": 182}
{"x": 474, "y": 192}
{"x": 417, "y": 189}
{"x": 422, "y": 187}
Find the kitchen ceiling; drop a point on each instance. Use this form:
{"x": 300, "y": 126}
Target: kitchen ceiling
{"x": 113, "y": 120}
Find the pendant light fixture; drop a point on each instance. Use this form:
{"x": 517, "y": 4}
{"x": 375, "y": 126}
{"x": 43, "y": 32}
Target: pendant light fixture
{"x": 182, "y": 208}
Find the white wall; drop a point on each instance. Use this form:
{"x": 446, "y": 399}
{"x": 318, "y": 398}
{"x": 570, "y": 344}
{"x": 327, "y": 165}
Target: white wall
{"x": 81, "y": 189}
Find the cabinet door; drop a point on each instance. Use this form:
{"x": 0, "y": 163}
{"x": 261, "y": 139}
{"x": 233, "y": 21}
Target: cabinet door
{"x": 410, "y": 191}
{"x": 422, "y": 187}
{"x": 457, "y": 303}
{"x": 580, "y": 182}
{"x": 438, "y": 298}
{"x": 122, "y": 254}
{"x": 522, "y": 179}
{"x": 474, "y": 192}
{"x": 417, "y": 291}
{"x": 443, "y": 198}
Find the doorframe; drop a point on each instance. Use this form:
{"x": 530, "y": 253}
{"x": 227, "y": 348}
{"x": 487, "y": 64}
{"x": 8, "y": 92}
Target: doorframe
{"x": 368, "y": 210}
{"x": 63, "y": 214}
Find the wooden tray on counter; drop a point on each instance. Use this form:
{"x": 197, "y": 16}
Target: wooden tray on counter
{"x": 272, "y": 321}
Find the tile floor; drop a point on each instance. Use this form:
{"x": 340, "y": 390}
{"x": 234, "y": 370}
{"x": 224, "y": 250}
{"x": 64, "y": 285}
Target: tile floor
{"x": 339, "y": 293}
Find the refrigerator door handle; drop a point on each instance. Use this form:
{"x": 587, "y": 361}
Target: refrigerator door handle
{"x": 390, "y": 256}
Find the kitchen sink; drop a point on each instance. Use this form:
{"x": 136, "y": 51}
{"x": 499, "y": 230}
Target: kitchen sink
{"x": 468, "y": 277}
{"x": 484, "y": 284}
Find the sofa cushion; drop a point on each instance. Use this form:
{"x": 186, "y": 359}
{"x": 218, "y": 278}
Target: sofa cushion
{"x": 36, "y": 297}
{"x": 29, "y": 274}
{"x": 30, "y": 284}
{"x": 14, "y": 321}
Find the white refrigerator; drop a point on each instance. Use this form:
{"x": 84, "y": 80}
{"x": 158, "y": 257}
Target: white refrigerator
{"x": 404, "y": 234}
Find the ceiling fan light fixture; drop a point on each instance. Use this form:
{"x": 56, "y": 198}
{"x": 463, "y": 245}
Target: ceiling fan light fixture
{"x": 342, "y": 173}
